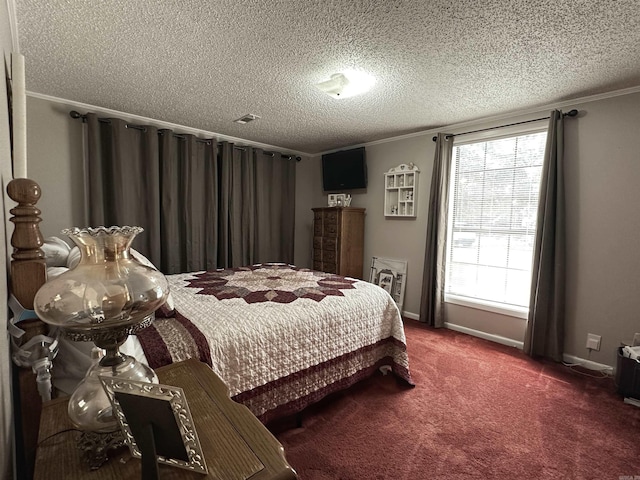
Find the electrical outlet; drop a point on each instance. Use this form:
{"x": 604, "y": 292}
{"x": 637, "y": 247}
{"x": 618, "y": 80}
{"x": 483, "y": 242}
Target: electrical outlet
{"x": 636, "y": 340}
{"x": 593, "y": 341}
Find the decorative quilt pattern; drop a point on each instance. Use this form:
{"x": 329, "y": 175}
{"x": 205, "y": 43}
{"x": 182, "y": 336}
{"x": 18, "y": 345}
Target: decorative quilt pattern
{"x": 270, "y": 283}
{"x": 280, "y": 337}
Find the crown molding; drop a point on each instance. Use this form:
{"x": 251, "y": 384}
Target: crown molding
{"x": 129, "y": 117}
{"x": 503, "y": 116}
{"x": 431, "y": 131}
{"x": 13, "y": 25}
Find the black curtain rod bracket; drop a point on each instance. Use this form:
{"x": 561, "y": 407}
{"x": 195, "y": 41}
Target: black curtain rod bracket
{"x": 570, "y": 113}
{"x": 76, "y": 115}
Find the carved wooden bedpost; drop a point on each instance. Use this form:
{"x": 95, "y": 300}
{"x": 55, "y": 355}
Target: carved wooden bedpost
{"x": 28, "y": 273}
{"x": 28, "y": 268}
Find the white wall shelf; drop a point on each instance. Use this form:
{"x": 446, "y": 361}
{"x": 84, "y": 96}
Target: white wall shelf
{"x": 401, "y": 191}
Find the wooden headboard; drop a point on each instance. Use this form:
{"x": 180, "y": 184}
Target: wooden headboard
{"x": 28, "y": 273}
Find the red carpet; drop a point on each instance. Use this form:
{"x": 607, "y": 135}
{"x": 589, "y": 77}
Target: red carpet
{"x": 479, "y": 411}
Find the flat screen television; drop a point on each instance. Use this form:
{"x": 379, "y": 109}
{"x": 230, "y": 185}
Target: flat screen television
{"x": 344, "y": 170}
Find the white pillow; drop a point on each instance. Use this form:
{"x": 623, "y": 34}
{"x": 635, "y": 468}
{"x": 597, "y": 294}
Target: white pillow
{"x": 56, "y": 252}
{"x": 75, "y": 255}
{"x": 53, "y": 272}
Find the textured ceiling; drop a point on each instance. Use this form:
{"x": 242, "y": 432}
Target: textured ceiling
{"x": 203, "y": 64}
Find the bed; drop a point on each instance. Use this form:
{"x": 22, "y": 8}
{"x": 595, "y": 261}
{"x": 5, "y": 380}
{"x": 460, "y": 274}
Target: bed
{"x": 281, "y": 337}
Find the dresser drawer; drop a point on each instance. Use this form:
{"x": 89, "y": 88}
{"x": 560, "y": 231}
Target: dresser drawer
{"x": 329, "y": 256}
{"x": 330, "y": 230}
{"x": 330, "y": 218}
{"x": 328, "y": 243}
{"x": 329, "y": 268}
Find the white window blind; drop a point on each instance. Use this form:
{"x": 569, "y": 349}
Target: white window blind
{"x": 495, "y": 187}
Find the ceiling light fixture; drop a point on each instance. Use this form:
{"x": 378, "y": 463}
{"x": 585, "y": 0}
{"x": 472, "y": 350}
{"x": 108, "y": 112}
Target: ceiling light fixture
{"x": 346, "y": 84}
{"x": 249, "y": 117}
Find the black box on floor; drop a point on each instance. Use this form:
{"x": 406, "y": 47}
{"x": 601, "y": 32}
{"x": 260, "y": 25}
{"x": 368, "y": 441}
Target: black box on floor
{"x": 627, "y": 376}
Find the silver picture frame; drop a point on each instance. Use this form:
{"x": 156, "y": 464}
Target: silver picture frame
{"x": 174, "y": 396}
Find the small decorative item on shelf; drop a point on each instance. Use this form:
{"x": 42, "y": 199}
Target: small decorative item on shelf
{"x": 107, "y": 297}
{"x": 347, "y": 201}
{"x": 341, "y": 200}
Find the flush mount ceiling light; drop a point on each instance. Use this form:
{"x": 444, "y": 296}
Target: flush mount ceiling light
{"x": 346, "y": 84}
{"x": 249, "y": 117}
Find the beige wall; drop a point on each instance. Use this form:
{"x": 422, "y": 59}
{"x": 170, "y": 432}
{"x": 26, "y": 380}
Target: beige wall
{"x": 6, "y": 429}
{"x": 603, "y": 226}
{"x": 602, "y": 171}
{"x": 397, "y": 238}
{"x": 308, "y": 196}
{"x": 55, "y": 162}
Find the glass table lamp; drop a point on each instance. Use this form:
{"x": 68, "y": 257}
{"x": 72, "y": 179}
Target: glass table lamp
{"x": 105, "y": 298}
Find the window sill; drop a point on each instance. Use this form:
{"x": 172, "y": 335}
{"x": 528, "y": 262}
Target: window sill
{"x": 500, "y": 308}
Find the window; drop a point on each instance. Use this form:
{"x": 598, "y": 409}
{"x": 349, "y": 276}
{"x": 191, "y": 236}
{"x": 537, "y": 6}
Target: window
{"x": 493, "y": 207}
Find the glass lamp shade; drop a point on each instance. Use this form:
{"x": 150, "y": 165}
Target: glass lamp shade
{"x": 106, "y": 297}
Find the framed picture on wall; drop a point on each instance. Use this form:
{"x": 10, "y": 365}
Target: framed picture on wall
{"x": 391, "y": 276}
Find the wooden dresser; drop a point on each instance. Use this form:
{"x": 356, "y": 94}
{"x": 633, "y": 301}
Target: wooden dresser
{"x": 236, "y": 445}
{"x": 338, "y": 240}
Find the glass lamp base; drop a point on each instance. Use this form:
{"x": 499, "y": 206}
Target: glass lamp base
{"x": 89, "y": 406}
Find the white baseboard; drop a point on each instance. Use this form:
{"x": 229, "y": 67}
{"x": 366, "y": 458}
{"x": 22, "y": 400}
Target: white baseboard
{"x": 470, "y": 331}
{"x": 510, "y": 342}
{"x": 412, "y": 316}
{"x": 570, "y": 359}
{"x": 583, "y": 362}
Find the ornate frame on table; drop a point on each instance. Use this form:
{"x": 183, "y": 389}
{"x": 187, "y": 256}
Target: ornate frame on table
{"x": 177, "y": 403}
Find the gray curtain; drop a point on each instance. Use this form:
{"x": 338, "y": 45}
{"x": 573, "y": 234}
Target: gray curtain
{"x": 275, "y": 200}
{"x": 545, "y": 327}
{"x": 123, "y": 178}
{"x": 432, "y": 299}
{"x": 188, "y": 193}
{"x": 257, "y": 198}
{"x": 203, "y": 205}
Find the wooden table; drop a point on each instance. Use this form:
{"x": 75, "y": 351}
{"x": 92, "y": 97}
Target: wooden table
{"x": 235, "y": 443}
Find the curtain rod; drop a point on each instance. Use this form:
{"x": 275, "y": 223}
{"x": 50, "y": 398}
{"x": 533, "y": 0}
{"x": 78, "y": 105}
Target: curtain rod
{"x": 77, "y": 115}
{"x": 571, "y": 113}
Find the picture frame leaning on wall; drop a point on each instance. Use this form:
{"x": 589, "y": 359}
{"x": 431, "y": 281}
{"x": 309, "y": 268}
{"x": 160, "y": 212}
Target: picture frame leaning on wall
{"x": 390, "y": 275}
